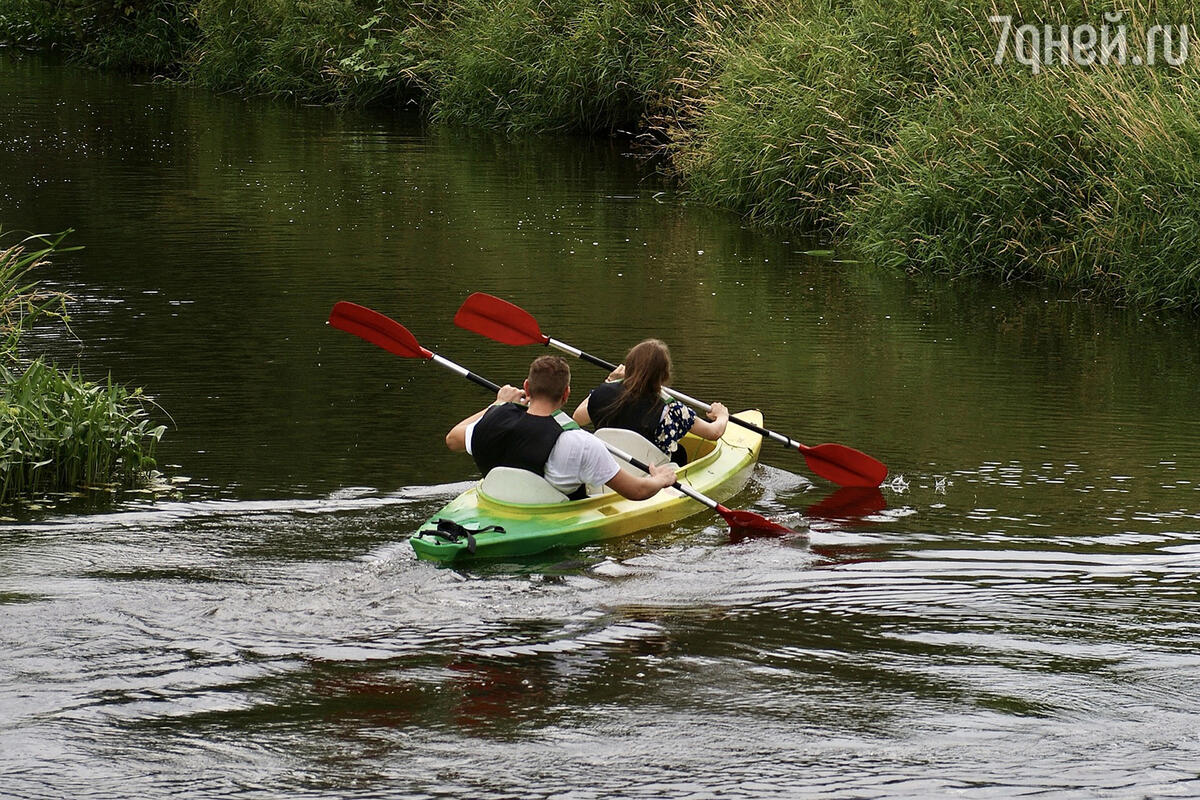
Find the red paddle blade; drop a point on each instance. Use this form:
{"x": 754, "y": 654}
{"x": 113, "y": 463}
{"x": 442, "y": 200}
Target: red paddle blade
{"x": 499, "y": 320}
{"x": 376, "y": 329}
{"x": 844, "y": 465}
{"x": 749, "y": 521}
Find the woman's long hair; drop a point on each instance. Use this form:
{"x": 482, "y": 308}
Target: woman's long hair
{"x": 647, "y": 370}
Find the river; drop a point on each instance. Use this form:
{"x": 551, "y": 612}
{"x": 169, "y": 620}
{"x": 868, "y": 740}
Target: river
{"x": 1016, "y": 615}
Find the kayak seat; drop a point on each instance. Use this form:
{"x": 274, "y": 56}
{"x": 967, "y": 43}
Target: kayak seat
{"x": 635, "y": 445}
{"x": 512, "y": 485}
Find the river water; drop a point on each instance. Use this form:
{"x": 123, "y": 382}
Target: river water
{"x": 1015, "y": 615}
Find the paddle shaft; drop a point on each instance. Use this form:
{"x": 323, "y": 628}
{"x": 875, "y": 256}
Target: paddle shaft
{"x": 463, "y": 371}
{"x": 690, "y": 492}
{"x": 787, "y": 441}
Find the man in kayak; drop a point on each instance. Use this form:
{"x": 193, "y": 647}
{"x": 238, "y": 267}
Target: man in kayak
{"x": 526, "y": 428}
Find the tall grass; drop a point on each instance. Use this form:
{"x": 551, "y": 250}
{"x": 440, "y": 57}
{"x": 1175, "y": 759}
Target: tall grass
{"x": 888, "y": 123}
{"x": 571, "y": 65}
{"x": 885, "y": 123}
{"x": 58, "y": 431}
{"x": 787, "y": 107}
{"x": 335, "y": 50}
{"x": 151, "y": 35}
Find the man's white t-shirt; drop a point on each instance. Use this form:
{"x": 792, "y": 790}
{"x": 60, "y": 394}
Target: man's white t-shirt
{"x": 578, "y": 457}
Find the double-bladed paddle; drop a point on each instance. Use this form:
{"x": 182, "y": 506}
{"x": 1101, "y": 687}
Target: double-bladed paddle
{"x": 395, "y": 338}
{"x": 509, "y": 324}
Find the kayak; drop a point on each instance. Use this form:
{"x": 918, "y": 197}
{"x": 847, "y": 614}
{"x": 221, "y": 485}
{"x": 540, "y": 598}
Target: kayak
{"x": 500, "y": 528}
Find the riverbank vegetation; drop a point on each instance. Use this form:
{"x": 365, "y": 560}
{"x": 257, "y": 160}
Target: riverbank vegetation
{"x": 890, "y": 125}
{"x": 59, "y": 432}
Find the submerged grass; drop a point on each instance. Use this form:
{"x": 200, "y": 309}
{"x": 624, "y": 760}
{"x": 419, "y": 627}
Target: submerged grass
{"x": 59, "y": 432}
{"x": 886, "y": 123}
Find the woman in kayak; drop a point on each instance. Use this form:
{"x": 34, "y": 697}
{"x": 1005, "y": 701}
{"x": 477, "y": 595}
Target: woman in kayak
{"x": 631, "y": 398}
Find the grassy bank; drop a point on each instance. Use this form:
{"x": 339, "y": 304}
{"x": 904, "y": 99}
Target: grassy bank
{"x": 59, "y": 432}
{"x": 887, "y": 124}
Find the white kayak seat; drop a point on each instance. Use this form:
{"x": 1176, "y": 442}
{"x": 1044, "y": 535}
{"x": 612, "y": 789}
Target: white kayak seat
{"x": 512, "y": 485}
{"x": 635, "y": 445}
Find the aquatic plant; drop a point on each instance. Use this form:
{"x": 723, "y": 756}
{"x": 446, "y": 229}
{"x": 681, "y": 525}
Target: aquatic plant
{"x": 58, "y": 431}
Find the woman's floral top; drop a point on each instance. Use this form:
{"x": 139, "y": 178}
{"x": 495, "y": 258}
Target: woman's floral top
{"x": 677, "y": 419}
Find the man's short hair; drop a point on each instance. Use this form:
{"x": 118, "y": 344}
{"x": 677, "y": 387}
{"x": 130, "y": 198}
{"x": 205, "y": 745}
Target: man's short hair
{"x": 549, "y": 377}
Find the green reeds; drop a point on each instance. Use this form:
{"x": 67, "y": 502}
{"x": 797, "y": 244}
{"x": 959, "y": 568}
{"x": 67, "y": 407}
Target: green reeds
{"x": 22, "y": 300}
{"x": 59, "y": 432}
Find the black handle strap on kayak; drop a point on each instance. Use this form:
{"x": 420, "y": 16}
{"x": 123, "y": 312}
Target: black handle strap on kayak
{"x": 450, "y": 531}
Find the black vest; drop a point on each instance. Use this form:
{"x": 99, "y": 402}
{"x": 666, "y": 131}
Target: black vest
{"x": 640, "y": 415}
{"x": 507, "y": 436}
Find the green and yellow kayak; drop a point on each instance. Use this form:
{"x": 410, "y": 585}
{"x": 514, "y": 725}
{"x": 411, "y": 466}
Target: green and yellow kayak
{"x": 718, "y": 469}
